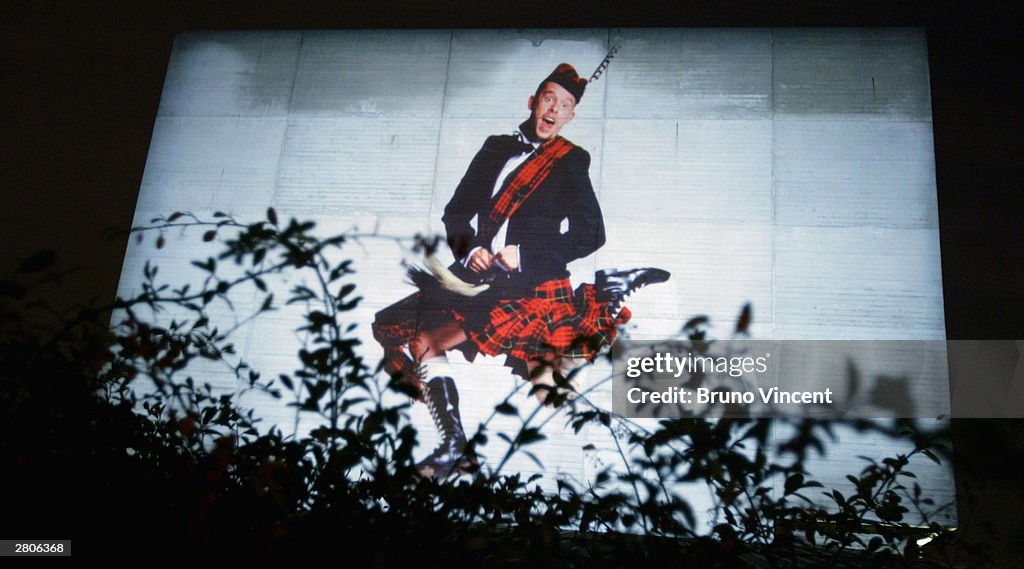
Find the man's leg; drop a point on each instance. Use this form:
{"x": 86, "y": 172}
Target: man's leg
{"x": 442, "y": 400}
{"x": 542, "y": 376}
{"x": 435, "y": 342}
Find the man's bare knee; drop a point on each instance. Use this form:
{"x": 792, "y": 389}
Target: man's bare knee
{"x": 545, "y": 384}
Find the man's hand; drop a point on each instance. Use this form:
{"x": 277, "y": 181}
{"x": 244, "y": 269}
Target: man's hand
{"x": 480, "y": 260}
{"x": 508, "y": 257}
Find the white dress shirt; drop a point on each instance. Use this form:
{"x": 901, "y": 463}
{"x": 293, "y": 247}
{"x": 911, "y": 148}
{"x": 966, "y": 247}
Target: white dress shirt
{"x": 498, "y": 242}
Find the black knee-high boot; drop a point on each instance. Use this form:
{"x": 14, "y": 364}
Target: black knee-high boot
{"x": 442, "y": 399}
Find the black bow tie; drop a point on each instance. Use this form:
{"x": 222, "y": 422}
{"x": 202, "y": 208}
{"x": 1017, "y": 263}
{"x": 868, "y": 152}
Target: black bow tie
{"x": 516, "y": 146}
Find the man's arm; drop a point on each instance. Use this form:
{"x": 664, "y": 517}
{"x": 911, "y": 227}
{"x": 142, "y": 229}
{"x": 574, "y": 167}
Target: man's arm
{"x": 586, "y": 224}
{"x": 471, "y": 196}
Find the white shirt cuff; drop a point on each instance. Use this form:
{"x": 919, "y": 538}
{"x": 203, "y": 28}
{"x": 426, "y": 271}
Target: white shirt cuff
{"x": 465, "y": 261}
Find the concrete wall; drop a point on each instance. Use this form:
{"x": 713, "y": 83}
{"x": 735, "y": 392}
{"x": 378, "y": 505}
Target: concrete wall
{"x": 792, "y": 169}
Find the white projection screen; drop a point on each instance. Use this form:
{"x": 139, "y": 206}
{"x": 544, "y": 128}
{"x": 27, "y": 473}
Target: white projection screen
{"x": 792, "y": 169}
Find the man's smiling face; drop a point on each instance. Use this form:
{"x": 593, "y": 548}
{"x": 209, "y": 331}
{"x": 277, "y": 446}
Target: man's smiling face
{"x": 553, "y": 107}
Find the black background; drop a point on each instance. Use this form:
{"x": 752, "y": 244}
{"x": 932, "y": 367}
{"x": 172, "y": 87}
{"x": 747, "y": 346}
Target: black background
{"x": 81, "y": 85}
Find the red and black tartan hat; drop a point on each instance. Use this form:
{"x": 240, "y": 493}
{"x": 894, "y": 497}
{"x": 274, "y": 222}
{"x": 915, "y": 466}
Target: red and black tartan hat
{"x": 566, "y": 76}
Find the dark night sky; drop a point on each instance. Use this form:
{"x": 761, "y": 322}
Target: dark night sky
{"x": 80, "y": 88}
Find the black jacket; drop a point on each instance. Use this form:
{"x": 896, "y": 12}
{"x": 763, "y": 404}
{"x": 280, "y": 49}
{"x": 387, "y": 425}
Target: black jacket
{"x": 544, "y": 251}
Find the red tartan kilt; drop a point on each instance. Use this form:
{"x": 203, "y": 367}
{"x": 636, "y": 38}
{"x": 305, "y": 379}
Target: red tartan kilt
{"x": 555, "y": 322}
{"x": 550, "y": 322}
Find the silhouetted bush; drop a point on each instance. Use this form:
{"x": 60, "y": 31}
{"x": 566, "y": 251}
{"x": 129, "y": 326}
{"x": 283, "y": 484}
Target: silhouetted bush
{"x": 110, "y": 438}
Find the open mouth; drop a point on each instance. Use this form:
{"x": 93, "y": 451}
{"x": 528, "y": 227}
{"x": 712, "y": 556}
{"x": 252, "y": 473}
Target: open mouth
{"x": 549, "y": 120}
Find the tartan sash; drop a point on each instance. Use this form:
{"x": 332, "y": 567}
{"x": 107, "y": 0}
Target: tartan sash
{"x": 523, "y": 181}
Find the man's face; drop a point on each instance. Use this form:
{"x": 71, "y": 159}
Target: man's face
{"x": 553, "y": 107}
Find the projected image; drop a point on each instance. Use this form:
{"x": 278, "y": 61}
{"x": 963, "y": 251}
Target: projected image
{"x": 515, "y": 202}
{"x": 535, "y": 211}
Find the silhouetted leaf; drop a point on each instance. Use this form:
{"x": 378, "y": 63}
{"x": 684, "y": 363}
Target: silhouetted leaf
{"x": 38, "y": 262}
{"x": 852, "y": 380}
{"x": 528, "y": 436}
{"x": 931, "y": 455}
{"x": 743, "y": 322}
{"x": 893, "y": 394}
{"x": 11, "y": 289}
{"x": 794, "y": 482}
{"x": 695, "y": 321}
{"x": 287, "y": 381}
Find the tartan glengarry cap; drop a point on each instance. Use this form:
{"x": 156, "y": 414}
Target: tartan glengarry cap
{"x": 566, "y": 76}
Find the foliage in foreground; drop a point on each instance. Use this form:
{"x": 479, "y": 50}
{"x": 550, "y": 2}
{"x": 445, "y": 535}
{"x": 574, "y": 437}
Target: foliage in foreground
{"x": 109, "y": 433}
